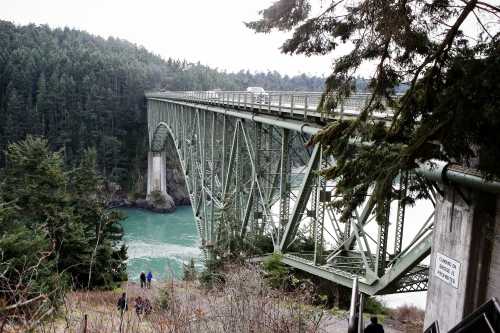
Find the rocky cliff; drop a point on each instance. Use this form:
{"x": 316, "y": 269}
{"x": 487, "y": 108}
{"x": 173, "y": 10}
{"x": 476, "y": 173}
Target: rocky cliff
{"x": 177, "y": 194}
{"x": 176, "y": 184}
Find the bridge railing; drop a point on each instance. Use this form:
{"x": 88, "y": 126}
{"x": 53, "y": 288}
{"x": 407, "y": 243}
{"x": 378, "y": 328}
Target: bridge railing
{"x": 298, "y": 103}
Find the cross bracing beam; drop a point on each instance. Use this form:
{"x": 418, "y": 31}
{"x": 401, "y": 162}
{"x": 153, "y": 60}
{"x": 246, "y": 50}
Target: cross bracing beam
{"x": 303, "y": 196}
{"x": 249, "y": 174}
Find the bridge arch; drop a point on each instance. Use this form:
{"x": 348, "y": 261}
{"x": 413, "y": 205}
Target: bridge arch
{"x": 156, "y": 178}
{"x": 158, "y": 140}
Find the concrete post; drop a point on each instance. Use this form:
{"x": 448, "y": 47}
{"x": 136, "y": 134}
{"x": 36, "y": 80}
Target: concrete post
{"x": 460, "y": 276}
{"x": 163, "y": 172}
{"x": 157, "y": 173}
{"x": 150, "y": 173}
{"x": 493, "y": 289}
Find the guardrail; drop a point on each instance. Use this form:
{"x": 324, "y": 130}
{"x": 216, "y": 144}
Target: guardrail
{"x": 293, "y": 103}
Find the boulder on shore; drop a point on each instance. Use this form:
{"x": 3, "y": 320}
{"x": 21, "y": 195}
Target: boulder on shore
{"x": 165, "y": 205}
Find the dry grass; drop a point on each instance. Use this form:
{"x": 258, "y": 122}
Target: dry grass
{"x": 409, "y": 317}
{"x": 247, "y": 304}
{"x": 243, "y": 304}
{"x": 407, "y": 313}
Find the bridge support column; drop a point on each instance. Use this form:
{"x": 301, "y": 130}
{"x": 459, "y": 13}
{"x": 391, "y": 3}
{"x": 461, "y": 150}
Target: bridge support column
{"x": 150, "y": 173}
{"x": 163, "y": 171}
{"x": 157, "y": 172}
{"x": 465, "y": 258}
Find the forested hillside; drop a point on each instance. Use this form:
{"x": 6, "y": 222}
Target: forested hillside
{"x": 81, "y": 91}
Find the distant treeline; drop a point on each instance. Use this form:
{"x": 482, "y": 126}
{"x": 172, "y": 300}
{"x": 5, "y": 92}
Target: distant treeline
{"x": 79, "y": 91}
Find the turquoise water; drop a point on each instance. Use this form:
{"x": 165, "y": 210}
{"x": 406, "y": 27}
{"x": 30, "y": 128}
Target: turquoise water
{"x": 160, "y": 243}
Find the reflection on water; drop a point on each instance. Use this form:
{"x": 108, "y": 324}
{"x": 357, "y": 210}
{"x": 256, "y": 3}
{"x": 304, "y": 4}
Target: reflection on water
{"x": 160, "y": 243}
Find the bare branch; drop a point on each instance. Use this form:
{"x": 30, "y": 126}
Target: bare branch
{"x": 489, "y": 6}
{"x": 481, "y": 23}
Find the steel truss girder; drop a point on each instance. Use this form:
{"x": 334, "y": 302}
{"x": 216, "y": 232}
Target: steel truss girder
{"x": 303, "y": 196}
{"x": 238, "y": 169}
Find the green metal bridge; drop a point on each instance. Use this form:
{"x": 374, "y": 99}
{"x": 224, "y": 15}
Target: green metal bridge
{"x": 245, "y": 161}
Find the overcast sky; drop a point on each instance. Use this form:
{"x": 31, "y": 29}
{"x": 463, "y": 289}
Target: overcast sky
{"x": 209, "y": 31}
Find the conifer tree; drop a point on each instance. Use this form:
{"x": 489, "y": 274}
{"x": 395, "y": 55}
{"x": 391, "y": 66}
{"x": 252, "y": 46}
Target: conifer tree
{"x": 64, "y": 213}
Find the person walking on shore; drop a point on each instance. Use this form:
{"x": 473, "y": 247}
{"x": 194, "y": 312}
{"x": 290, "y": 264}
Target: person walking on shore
{"x": 149, "y": 278}
{"x": 122, "y": 307}
{"x": 122, "y": 303}
{"x": 142, "y": 277}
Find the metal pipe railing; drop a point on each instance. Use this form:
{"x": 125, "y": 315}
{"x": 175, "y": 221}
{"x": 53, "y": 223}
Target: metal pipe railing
{"x": 305, "y": 103}
{"x": 445, "y": 172}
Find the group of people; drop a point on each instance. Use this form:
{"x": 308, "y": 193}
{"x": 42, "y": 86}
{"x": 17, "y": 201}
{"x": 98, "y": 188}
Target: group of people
{"x": 146, "y": 280}
{"x": 142, "y": 305}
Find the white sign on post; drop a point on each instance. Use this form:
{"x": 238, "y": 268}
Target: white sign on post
{"x": 447, "y": 269}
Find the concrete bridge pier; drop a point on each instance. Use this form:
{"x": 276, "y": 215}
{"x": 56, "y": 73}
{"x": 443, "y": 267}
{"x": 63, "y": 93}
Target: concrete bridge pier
{"x": 157, "y": 172}
{"x": 465, "y": 257}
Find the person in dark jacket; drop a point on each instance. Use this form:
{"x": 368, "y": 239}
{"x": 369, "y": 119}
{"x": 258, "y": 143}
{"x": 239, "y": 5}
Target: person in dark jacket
{"x": 139, "y": 305}
{"x": 149, "y": 277}
{"x": 142, "y": 277}
{"x": 374, "y": 326}
{"x": 122, "y": 303}
{"x": 147, "y": 308}
{"x": 122, "y": 307}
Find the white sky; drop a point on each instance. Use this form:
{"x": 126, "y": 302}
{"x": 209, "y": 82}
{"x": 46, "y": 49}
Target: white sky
{"x": 209, "y": 31}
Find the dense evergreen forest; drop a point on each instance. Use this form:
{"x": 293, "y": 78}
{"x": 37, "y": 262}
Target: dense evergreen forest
{"x": 80, "y": 91}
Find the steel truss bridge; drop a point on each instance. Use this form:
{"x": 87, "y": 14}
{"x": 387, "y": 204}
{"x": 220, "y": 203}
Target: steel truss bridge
{"x": 249, "y": 173}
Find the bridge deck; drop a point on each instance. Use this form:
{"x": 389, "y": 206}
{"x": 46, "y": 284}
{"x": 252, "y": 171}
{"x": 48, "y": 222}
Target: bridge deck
{"x": 295, "y": 105}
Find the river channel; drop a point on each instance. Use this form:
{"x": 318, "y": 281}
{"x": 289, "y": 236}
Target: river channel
{"x": 160, "y": 243}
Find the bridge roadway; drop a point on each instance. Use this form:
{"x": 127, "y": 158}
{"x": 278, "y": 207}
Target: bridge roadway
{"x": 249, "y": 174}
{"x": 291, "y": 105}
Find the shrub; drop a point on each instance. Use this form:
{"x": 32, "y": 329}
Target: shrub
{"x": 189, "y": 273}
{"x": 408, "y": 313}
{"x": 252, "y": 306}
{"x": 261, "y": 244}
{"x": 277, "y": 272}
{"x": 210, "y": 279}
{"x": 164, "y": 298}
{"x": 374, "y": 306}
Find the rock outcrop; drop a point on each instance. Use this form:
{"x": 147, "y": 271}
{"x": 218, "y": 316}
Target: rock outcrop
{"x": 177, "y": 194}
{"x": 176, "y": 184}
{"x": 164, "y": 205}
{"x": 176, "y": 187}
